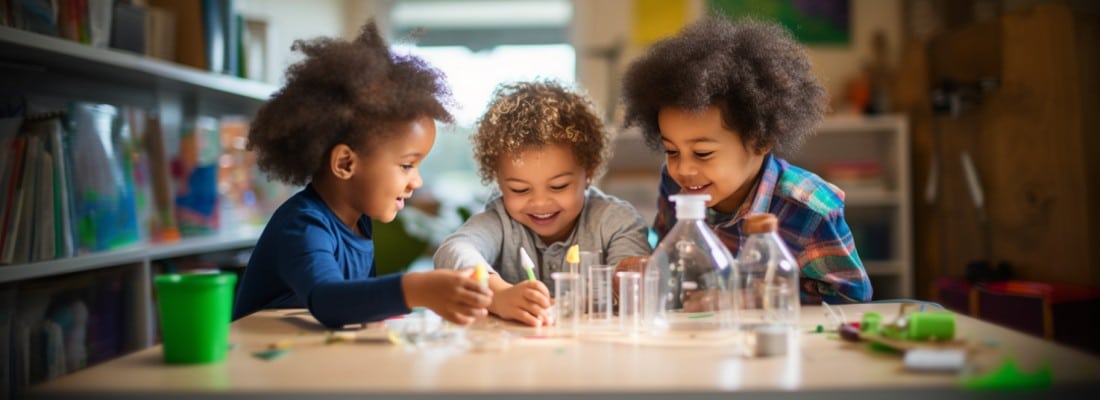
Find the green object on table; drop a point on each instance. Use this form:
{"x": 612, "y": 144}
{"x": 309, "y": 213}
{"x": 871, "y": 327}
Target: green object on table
{"x": 931, "y": 326}
{"x": 1009, "y": 376}
{"x": 870, "y": 322}
{"x": 194, "y": 312}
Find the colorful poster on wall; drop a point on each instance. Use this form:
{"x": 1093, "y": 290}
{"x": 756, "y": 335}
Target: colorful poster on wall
{"x": 656, "y": 19}
{"x": 822, "y": 22}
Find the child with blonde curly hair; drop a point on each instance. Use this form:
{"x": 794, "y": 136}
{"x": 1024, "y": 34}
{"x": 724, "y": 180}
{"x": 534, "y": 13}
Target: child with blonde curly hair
{"x": 543, "y": 145}
{"x": 352, "y": 124}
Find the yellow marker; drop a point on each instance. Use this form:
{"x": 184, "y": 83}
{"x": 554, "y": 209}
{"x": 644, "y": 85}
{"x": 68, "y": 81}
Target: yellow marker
{"x": 282, "y": 344}
{"x": 339, "y": 337}
{"x": 481, "y": 274}
{"x": 573, "y": 255}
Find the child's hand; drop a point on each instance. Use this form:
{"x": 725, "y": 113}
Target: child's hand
{"x": 452, "y": 294}
{"x": 527, "y": 302}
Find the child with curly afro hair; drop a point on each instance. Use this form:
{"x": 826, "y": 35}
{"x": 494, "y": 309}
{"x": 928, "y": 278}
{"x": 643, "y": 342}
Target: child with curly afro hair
{"x": 352, "y": 124}
{"x": 543, "y": 145}
{"x": 725, "y": 101}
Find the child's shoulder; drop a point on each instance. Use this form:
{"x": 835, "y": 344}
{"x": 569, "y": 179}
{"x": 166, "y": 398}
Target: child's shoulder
{"x": 806, "y": 188}
{"x": 304, "y": 205}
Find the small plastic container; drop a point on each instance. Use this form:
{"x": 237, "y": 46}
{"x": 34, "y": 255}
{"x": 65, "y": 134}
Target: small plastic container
{"x": 599, "y": 303}
{"x": 770, "y": 285}
{"x": 588, "y": 258}
{"x": 630, "y": 302}
{"x": 567, "y": 305}
{"x": 195, "y": 311}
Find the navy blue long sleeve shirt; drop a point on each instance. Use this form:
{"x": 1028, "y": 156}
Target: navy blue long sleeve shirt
{"x": 306, "y": 257}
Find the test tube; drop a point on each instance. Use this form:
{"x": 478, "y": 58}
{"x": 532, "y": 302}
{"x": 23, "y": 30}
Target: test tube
{"x": 599, "y": 293}
{"x": 567, "y": 308}
{"x": 588, "y": 258}
{"x": 630, "y": 302}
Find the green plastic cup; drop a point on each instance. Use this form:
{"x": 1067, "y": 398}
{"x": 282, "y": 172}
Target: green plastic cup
{"x": 195, "y": 311}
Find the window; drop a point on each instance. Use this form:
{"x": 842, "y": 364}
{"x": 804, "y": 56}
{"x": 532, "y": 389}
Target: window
{"x": 479, "y": 45}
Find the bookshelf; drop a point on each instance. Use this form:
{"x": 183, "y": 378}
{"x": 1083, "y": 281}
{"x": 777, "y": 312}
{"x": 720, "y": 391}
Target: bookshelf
{"x": 50, "y": 71}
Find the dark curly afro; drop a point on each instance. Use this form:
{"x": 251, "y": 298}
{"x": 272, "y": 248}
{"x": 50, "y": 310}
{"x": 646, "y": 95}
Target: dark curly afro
{"x": 755, "y": 72}
{"x": 534, "y": 114}
{"x": 343, "y": 92}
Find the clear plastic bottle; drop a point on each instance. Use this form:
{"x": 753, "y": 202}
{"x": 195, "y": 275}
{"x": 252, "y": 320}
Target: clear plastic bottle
{"x": 770, "y": 303}
{"x": 687, "y": 282}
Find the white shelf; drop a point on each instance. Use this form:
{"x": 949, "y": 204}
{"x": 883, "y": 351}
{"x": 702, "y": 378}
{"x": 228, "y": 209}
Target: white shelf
{"x": 35, "y": 51}
{"x": 231, "y": 239}
{"x": 846, "y": 124}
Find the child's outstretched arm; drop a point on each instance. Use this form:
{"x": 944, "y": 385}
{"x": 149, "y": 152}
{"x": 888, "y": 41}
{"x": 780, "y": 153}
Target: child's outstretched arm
{"x": 454, "y": 295}
{"x": 831, "y": 268}
{"x": 476, "y": 241}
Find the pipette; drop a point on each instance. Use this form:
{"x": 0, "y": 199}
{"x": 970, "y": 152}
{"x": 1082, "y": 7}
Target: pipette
{"x": 481, "y": 274}
{"x": 573, "y": 259}
{"x": 528, "y": 265}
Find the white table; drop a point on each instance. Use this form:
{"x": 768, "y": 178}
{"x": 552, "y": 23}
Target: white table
{"x": 547, "y": 367}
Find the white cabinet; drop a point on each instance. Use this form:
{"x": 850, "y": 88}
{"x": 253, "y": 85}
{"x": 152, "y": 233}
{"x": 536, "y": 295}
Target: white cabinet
{"x": 868, "y": 158}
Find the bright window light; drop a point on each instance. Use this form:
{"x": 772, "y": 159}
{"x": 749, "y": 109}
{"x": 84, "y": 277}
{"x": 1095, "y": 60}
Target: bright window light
{"x": 449, "y": 171}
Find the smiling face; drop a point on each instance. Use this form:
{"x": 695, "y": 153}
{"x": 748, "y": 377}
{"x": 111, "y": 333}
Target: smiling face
{"x": 543, "y": 189}
{"x": 704, "y": 156}
{"x": 386, "y": 175}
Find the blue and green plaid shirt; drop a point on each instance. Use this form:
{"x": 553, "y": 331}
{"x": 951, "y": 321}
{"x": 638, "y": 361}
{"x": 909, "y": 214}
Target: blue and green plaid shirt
{"x": 811, "y": 222}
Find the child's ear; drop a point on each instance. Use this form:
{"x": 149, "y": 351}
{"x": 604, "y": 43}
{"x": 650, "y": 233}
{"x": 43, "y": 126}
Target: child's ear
{"x": 342, "y": 161}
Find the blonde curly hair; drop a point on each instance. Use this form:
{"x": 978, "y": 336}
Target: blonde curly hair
{"x": 534, "y": 114}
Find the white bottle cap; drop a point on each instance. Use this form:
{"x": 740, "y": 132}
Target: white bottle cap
{"x": 690, "y": 206}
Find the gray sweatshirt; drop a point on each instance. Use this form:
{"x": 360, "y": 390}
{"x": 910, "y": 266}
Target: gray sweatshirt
{"x": 606, "y": 223}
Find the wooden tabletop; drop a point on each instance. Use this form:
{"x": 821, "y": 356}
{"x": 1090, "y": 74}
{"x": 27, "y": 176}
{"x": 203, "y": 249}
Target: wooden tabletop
{"x": 538, "y": 362}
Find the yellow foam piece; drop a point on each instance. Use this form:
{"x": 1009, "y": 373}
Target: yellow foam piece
{"x": 573, "y": 255}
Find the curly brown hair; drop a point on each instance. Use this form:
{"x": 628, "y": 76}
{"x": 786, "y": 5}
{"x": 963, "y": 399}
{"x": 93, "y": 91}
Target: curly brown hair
{"x": 754, "y": 71}
{"x": 343, "y": 92}
{"x": 534, "y": 114}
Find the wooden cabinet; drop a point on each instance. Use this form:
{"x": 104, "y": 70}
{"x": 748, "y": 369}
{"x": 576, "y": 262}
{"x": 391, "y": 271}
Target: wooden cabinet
{"x": 1032, "y": 139}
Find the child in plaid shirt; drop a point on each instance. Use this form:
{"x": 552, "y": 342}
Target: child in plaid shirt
{"x": 724, "y": 100}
